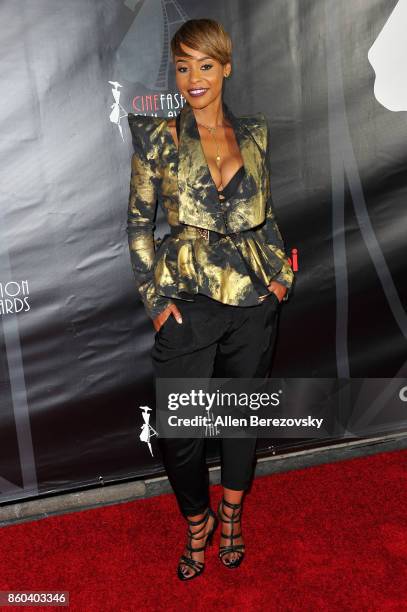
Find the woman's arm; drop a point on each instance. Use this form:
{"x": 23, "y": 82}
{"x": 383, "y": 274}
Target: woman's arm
{"x": 272, "y": 237}
{"x": 271, "y": 234}
{"x": 144, "y": 182}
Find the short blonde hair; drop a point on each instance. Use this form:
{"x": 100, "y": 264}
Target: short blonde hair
{"x": 206, "y": 35}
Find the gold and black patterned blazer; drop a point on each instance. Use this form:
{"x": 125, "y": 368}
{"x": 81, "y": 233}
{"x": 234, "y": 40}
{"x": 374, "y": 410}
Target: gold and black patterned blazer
{"x": 180, "y": 180}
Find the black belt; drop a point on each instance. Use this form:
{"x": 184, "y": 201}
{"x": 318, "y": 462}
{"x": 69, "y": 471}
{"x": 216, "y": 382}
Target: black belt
{"x": 199, "y": 232}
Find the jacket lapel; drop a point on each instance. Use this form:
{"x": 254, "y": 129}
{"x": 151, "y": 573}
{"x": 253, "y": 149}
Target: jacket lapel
{"x": 198, "y": 195}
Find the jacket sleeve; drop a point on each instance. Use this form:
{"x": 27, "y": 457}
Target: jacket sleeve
{"x": 142, "y": 205}
{"x": 270, "y": 231}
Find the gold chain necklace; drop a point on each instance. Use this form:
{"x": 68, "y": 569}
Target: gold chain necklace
{"x": 212, "y": 131}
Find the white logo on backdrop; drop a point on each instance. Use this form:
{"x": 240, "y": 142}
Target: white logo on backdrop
{"x": 14, "y": 297}
{"x": 403, "y": 394}
{"x": 147, "y": 431}
{"x": 388, "y": 56}
{"x": 118, "y": 112}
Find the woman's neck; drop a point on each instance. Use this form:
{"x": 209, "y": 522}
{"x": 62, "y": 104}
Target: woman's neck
{"x": 212, "y": 115}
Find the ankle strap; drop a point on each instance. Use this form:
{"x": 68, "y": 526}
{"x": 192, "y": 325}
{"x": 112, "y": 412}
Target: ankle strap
{"x": 230, "y": 505}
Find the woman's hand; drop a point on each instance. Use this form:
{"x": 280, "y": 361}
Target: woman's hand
{"x": 160, "y": 319}
{"x": 277, "y": 288}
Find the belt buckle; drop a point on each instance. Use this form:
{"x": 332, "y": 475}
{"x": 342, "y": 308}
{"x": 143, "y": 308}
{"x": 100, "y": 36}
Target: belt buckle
{"x": 203, "y": 232}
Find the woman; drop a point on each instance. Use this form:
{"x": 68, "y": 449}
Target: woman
{"x": 214, "y": 285}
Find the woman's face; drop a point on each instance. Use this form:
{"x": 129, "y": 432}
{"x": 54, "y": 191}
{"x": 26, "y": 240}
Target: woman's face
{"x": 196, "y": 71}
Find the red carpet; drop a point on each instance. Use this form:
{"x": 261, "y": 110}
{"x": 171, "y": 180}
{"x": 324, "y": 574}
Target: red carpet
{"x": 332, "y": 537}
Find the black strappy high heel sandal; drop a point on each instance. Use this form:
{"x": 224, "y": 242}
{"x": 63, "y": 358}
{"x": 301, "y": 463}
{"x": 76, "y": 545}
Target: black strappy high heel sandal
{"x": 197, "y": 566}
{"x": 237, "y": 548}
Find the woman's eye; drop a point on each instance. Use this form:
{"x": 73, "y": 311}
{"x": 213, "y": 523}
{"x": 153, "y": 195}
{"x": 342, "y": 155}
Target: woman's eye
{"x": 205, "y": 66}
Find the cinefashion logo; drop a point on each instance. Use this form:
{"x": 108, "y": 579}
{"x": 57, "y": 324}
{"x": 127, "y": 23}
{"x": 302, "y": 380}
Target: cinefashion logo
{"x": 170, "y": 103}
{"x": 14, "y": 297}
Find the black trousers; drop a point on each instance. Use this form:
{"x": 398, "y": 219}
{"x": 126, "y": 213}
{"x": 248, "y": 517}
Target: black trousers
{"x": 214, "y": 340}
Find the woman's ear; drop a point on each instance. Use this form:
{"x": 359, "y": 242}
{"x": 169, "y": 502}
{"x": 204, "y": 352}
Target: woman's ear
{"x": 227, "y": 70}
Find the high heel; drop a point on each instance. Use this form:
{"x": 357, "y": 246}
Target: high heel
{"x": 197, "y": 566}
{"x": 237, "y": 548}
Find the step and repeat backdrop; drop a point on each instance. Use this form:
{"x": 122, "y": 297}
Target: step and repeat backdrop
{"x": 75, "y": 341}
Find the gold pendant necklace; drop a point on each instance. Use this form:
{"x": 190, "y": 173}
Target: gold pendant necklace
{"x": 212, "y": 131}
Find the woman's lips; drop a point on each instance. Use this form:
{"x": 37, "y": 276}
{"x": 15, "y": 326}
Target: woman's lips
{"x": 197, "y": 92}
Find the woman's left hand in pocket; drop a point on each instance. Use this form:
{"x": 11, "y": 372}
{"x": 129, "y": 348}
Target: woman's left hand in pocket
{"x": 277, "y": 288}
